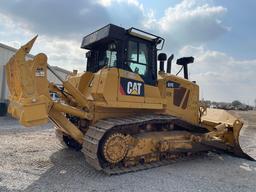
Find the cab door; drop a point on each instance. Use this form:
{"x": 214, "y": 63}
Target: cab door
{"x": 138, "y": 79}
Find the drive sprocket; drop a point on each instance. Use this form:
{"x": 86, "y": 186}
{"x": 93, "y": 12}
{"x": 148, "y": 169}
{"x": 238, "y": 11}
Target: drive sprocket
{"x": 115, "y": 148}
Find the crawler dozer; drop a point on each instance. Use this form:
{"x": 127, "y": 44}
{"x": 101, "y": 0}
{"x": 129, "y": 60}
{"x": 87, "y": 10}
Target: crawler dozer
{"x": 122, "y": 112}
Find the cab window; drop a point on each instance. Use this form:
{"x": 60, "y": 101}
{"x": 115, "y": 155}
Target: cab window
{"x": 111, "y": 57}
{"x": 138, "y": 57}
{"x": 108, "y": 56}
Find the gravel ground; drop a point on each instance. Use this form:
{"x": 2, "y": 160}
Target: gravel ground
{"x": 31, "y": 159}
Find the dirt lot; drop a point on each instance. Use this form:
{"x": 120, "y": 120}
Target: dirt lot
{"x": 33, "y": 160}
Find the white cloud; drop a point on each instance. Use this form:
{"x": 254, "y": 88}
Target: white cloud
{"x": 9, "y": 29}
{"x": 108, "y": 3}
{"x": 190, "y": 21}
{"x": 220, "y": 76}
{"x": 67, "y": 19}
{"x": 105, "y": 3}
{"x": 63, "y": 53}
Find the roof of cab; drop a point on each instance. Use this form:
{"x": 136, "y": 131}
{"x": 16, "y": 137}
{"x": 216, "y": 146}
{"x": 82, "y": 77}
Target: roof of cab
{"x": 111, "y": 31}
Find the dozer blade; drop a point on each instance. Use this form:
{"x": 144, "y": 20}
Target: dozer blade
{"x": 247, "y": 136}
{"x": 230, "y": 133}
{"x": 28, "y": 86}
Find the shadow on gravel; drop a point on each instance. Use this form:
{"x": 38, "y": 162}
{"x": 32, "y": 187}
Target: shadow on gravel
{"x": 68, "y": 172}
{"x": 4, "y": 189}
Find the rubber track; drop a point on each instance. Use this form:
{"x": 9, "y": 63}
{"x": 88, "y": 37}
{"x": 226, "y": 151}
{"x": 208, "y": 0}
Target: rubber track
{"x": 96, "y": 132}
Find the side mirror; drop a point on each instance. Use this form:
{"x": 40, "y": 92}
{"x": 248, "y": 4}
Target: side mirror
{"x": 169, "y": 64}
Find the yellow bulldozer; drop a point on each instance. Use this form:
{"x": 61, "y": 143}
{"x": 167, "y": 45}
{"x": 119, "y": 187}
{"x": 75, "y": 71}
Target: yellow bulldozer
{"x": 122, "y": 112}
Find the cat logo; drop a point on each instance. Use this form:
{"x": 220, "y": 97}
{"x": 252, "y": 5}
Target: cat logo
{"x": 131, "y": 87}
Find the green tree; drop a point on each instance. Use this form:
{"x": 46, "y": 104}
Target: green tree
{"x": 236, "y": 103}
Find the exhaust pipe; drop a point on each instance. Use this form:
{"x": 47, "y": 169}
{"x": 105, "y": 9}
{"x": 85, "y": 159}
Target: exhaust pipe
{"x": 169, "y": 64}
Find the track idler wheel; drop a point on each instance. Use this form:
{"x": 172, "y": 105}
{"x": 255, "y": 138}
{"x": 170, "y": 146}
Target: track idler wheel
{"x": 115, "y": 148}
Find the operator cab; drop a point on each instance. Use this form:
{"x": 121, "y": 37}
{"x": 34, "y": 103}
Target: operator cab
{"x": 133, "y": 50}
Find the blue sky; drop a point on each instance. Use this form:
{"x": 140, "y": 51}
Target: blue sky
{"x": 220, "y": 34}
{"x": 240, "y": 41}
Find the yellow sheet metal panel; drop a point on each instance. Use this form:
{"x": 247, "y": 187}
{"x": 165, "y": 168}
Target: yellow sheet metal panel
{"x": 218, "y": 116}
{"x": 30, "y": 113}
{"x": 108, "y": 84}
{"x": 84, "y": 84}
{"x": 182, "y": 98}
{"x": 152, "y": 95}
{"x": 131, "y": 87}
{"x": 95, "y": 83}
{"x": 130, "y": 105}
{"x": 39, "y": 72}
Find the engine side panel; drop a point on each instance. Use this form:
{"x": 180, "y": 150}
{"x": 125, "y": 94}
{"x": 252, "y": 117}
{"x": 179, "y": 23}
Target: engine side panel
{"x": 117, "y": 89}
{"x": 182, "y": 98}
